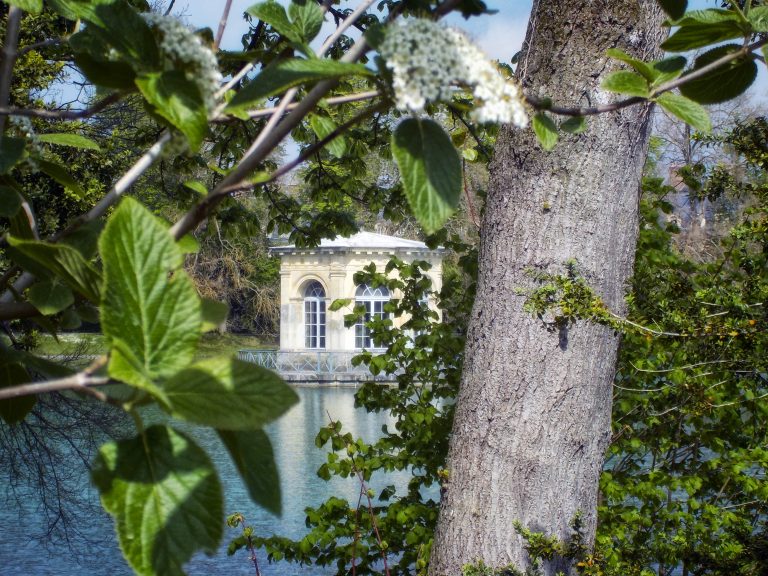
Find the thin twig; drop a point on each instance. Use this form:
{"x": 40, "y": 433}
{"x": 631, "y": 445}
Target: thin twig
{"x": 44, "y": 44}
{"x": 61, "y": 114}
{"x": 346, "y": 23}
{"x": 333, "y": 101}
{"x": 170, "y": 7}
{"x": 12, "y": 28}
{"x": 222, "y": 25}
{"x": 78, "y": 381}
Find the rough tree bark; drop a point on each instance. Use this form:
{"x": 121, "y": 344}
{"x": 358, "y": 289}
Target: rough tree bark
{"x": 533, "y": 412}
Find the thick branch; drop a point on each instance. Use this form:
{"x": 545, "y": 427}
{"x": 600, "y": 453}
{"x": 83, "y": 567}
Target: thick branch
{"x": 78, "y": 381}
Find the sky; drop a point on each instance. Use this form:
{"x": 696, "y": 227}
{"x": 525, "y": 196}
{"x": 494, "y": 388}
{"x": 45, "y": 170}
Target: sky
{"x": 500, "y": 35}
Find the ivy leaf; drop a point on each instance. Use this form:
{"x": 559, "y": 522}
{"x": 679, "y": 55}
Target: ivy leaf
{"x": 274, "y": 14}
{"x": 14, "y": 410}
{"x": 73, "y": 140}
{"x": 687, "y": 110}
{"x": 430, "y": 169}
{"x": 322, "y": 126}
{"x": 178, "y": 100}
{"x": 149, "y": 302}
{"x": 724, "y": 83}
{"x": 50, "y": 297}
{"x": 545, "y": 130}
{"x": 166, "y": 499}
{"x": 60, "y": 175}
{"x": 279, "y": 76}
{"x": 252, "y": 454}
{"x": 626, "y": 82}
{"x": 214, "y": 314}
{"x": 307, "y": 18}
{"x": 65, "y": 262}
{"x": 10, "y": 201}
{"x": 228, "y": 394}
{"x": 675, "y": 8}
{"x": 11, "y": 152}
{"x": 575, "y": 125}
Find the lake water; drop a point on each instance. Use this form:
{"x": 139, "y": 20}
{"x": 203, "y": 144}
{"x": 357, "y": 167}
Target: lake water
{"x": 94, "y": 551}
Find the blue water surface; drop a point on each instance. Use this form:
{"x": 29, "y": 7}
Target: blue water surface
{"x": 25, "y": 550}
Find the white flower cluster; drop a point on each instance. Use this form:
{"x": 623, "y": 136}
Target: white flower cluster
{"x": 179, "y": 45}
{"x": 428, "y": 61}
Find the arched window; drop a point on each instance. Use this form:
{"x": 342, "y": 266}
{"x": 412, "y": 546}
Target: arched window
{"x": 373, "y": 299}
{"x": 314, "y": 315}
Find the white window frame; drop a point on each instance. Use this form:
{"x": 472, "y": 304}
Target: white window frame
{"x": 373, "y": 299}
{"x": 314, "y": 316}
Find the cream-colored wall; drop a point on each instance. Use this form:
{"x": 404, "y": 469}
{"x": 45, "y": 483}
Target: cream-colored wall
{"x": 335, "y": 271}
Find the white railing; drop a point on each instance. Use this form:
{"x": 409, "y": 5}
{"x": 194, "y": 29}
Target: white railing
{"x": 326, "y": 363}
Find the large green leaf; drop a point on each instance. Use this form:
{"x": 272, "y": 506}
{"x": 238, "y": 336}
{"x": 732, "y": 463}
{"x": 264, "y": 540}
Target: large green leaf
{"x": 214, "y": 314}
{"x": 14, "y": 410}
{"x": 626, "y": 82}
{"x": 430, "y": 169}
{"x": 73, "y": 140}
{"x": 307, "y": 18}
{"x": 178, "y": 100}
{"x": 228, "y": 394}
{"x": 50, "y": 296}
{"x": 758, "y": 18}
{"x": 33, "y": 6}
{"x": 91, "y": 56}
{"x": 11, "y": 153}
{"x": 724, "y": 83}
{"x": 695, "y": 34}
{"x": 62, "y": 176}
{"x": 274, "y": 14}
{"x": 279, "y": 76}
{"x": 117, "y": 24}
{"x": 687, "y": 110}
{"x": 251, "y": 452}
{"x": 545, "y": 130}
{"x": 149, "y": 302}
{"x": 163, "y": 492}
{"x": 65, "y": 262}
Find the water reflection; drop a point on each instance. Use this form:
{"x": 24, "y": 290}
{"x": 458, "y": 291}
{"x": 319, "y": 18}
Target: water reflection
{"x": 297, "y": 457}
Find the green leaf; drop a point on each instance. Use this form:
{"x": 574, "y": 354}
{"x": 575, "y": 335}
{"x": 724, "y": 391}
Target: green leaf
{"x": 695, "y": 32}
{"x": 91, "y": 56}
{"x": 430, "y": 169}
{"x": 307, "y": 18}
{"x": 65, "y": 262}
{"x": 724, "y": 83}
{"x": 668, "y": 69}
{"x": 643, "y": 68}
{"x": 188, "y": 244}
{"x": 50, "y": 297}
{"x": 626, "y": 82}
{"x": 322, "y": 126}
{"x": 73, "y": 140}
{"x": 178, "y": 100}
{"x": 85, "y": 238}
{"x": 545, "y": 130}
{"x": 32, "y": 6}
{"x": 118, "y": 25}
{"x": 274, "y": 14}
{"x": 10, "y": 201}
{"x": 228, "y": 394}
{"x": 675, "y": 8}
{"x": 149, "y": 301}
{"x": 758, "y": 18}
{"x": 196, "y": 186}
{"x": 254, "y": 459}
{"x": 339, "y": 303}
{"x": 214, "y": 314}
{"x": 11, "y": 152}
{"x": 687, "y": 110}
{"x": 60, "y": 175}
{"x": 279, "y": 76}
{"x": 14, "y": 410}
{"x": 575, "y": 125}
{"x": 163, "y": 492}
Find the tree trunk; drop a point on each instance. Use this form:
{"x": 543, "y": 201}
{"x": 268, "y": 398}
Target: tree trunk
{"x": 533, "y": 413}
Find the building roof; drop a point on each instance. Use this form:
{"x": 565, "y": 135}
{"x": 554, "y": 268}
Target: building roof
{"x": 362, "y": 241}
